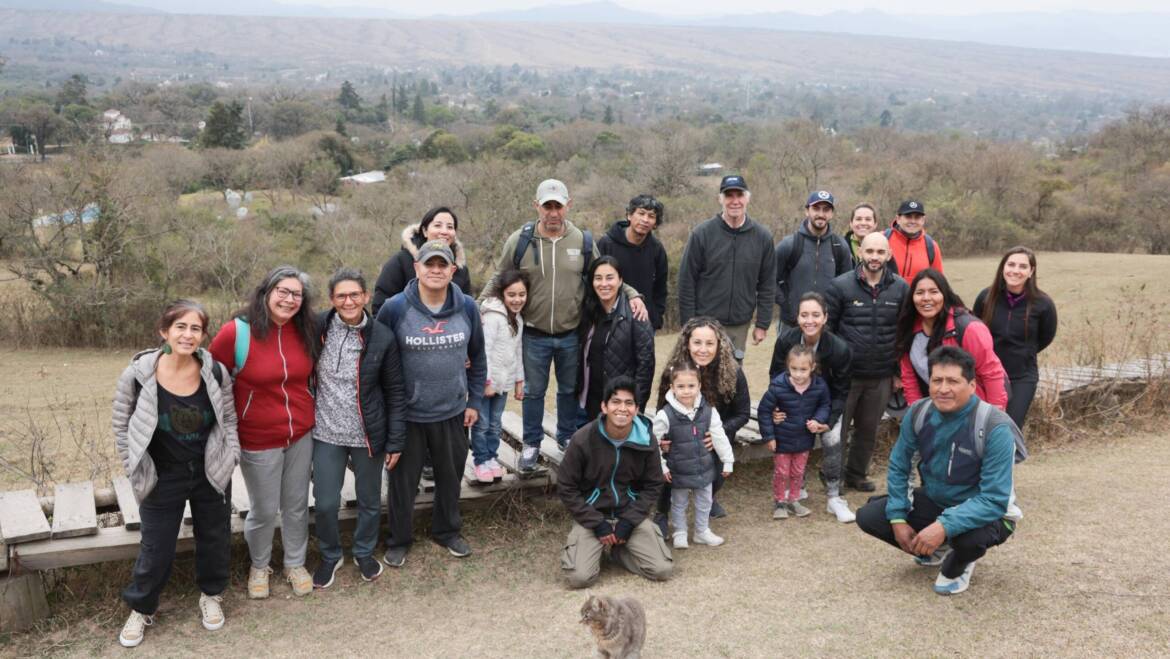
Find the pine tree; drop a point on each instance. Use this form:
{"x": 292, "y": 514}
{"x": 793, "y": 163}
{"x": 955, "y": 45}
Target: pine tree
{"x": 224, "y": 126}
{"x": 419, "y": 113}
{"x": 348, "y": 97}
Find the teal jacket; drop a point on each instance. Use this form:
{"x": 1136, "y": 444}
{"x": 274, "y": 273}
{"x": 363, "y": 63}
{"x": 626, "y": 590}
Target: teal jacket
{"x": 967, "y": 507}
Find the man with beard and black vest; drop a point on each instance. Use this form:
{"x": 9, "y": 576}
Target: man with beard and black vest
{"x": 641, "y": 256}
{"x": 809, "y": 258}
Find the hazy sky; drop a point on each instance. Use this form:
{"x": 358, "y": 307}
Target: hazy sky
{"x": 678, "y": 7}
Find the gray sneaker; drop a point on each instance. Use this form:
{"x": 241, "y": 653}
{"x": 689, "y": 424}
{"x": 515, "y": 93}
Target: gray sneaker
{"x": 528, "y": 458}
{"x": 798, "y": 509}
{"x": 780, "y": 510}
{"x": 395, "y": 556}
{"x": 936, "y": 559}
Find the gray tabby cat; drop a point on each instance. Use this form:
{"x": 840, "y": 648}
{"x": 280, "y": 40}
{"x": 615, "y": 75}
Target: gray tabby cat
{"x": 619, "y": 625}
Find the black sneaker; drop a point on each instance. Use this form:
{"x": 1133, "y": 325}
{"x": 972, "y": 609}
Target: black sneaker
{"x": 458, "y": 547}
{"x": 369, "y": 567}
{"x": 323, "y": 577}
{"x": 717, "y": 511}
{"x": 395, "y": 556}
{"x": 860, "y": 484}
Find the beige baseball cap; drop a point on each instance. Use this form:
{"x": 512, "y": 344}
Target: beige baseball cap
{"x": 552, "y": 190}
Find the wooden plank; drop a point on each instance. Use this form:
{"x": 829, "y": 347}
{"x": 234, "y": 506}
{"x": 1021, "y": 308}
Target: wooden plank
{"x": 507, "y": 457}
{"x": 348, "y": 489}
{"x": 512, "y": 425}
{"x": 74, "y": 512}
{"x": 550, "y": 425}
{"x": 21, "y": 518}
{"x": 127, "y": 504}
{"x": 240, "y": 500}
{"x": 188, "y": 520}
{"x": 551, "y": 452}
{"x": 3, "y": 557}
{"x": 312, "y": 498}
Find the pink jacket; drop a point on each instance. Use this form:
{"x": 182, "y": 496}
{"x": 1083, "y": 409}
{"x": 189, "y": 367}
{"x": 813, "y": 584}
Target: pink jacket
{"x": 990, "y": 378}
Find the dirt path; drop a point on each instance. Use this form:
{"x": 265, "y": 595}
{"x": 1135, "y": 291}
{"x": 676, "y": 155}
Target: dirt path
{"x": 1080, "y": 578}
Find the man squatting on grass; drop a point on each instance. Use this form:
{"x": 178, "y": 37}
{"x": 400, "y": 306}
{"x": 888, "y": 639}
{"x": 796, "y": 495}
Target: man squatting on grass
{"x": 966, "y": 504}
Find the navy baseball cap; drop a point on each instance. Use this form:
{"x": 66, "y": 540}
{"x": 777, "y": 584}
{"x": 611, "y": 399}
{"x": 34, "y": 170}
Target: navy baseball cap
{"x": 821, "y": 196}
{"x": 732, "y": 182}
{"x": 910, "y": 207}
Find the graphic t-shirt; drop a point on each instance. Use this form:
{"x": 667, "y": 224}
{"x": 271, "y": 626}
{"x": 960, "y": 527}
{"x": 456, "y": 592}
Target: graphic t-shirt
{"x": 184, "y": 423}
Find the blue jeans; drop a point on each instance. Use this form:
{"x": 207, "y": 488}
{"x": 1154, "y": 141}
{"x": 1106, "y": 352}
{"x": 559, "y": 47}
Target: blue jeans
{"x": 541, "y": 351}
{"x": 485, "y": 434}
{"x": 329, "y": 464}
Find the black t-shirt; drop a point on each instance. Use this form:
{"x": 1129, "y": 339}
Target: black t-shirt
{"x": 184, "y": 423}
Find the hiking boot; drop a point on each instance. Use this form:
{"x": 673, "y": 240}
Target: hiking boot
{"x": 209, "y": 607}
{"x": 326, "y": 571}
{"x": 484, "y": 474}
{"x": 839, "y": 507}
{"x": 528, "y": 458}
{"x": 458, "y": 547}
{"x": 947, "y": 586}
{"x": 679, "y": 540}
{"x": 860, "y": 484}
{"x": 258, "y": 582}
{"x": 780, "y": 510}
{"x": 395, "y": 556}
{"x": 799, "y": 509}
{"x": 298, "y": 577}
{"x": 428, "y": 473}
{"x": 706, "y": 537}
{"x": 936, "y": 559}
{"x": 134, "y": 629}
{"x": 717, "y": 511}
{"x": 369, "y": 567}
{"x": 497, "y": 470}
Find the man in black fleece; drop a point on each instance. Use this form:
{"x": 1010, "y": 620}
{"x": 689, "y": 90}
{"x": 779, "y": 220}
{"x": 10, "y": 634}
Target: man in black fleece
{"x": 641, "y": 256}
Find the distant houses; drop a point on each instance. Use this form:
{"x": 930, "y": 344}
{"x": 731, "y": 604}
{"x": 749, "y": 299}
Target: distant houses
{"x": 365, "y": 178}
{"x": 118, "y": 126}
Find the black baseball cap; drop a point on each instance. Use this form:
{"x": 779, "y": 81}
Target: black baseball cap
{"x": 732, "y": 182}
{"x": 910, "y": 207}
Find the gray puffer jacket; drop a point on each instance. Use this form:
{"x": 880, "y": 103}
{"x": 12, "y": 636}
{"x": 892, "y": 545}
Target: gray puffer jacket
{"x": 135, "y": 418}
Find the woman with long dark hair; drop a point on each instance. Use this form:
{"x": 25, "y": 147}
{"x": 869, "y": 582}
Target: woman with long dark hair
{"x": 174, "y": 423}
{"x": 933, "y": 315}
{"x": 271, "y": 349}
{"x": 611, "y": 341}
{"x": 1022, "y": 320}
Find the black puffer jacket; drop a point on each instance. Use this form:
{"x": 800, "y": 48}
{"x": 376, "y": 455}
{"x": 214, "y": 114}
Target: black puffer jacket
{"x": 629, "y": 350}
{"x": 399, "y": 270}
{"x": 834, "y": 359}
{"x": 867, "y": 318}
{"x": 381, "y": 394}
{"x": 1014, "y": 346}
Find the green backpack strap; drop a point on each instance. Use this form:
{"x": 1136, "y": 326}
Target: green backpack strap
{"x": 243, "y": 340}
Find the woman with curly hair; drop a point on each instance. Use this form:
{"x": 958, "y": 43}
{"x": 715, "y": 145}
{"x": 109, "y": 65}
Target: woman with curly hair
{"x": 703, "y": 344}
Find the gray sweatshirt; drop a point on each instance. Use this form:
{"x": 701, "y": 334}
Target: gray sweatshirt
{"x": 339, "y": 421}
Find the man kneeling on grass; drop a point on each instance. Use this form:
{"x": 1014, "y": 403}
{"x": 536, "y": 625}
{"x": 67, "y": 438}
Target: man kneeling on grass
{"x": 610, "y": 476}
{"x": 966, "y": 504}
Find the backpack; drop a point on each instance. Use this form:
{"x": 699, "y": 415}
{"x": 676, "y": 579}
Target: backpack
{"x": 216, "y": 370}
{"x": 930, "y": 251}
{"x": 980, "y": 424}
{"x": 525, "y": 240}
{"x": 243, "y": 340}
{"x": 841, "y": 251}
{"x": 397, "y": 306}
{"x": 963, "y": 318}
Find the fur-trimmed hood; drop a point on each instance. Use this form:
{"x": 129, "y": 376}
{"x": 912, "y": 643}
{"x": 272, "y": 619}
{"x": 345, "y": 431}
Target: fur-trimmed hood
{"x": 412, "y": 239}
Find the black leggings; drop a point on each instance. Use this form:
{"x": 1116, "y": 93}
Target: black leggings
{"x": 1020, "y": 400}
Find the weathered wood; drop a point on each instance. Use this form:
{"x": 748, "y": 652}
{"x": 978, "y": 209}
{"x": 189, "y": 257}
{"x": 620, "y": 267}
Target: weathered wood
{"x": 507, "y": 457}
{"x": 188, "y": 519}
{"x": 348, "y": 489}
{"x": 127, "y": 504}
{"x": 21, "y": 518}
{"x": 549, "y": 424}
{"x": 22, "y": 602}
{"x": 3, "y": 558}
{"x": 512, "y": 425}
{"x": 240, "y": 500}
{"x": 74, "y": 513}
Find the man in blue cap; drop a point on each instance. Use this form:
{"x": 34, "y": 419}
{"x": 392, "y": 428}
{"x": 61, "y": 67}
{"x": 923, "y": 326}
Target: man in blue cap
{"x": 810, "y": 257}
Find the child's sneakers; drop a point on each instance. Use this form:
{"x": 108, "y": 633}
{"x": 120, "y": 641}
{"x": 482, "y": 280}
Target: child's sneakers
{"x": 679, "y": 540}
{"x": 780, "y": 510}
{"x": 484, "y": 474}
{"x": 798, "y": 509}
{"x": 497, "y": 470}
{"x": 706, "y": 537}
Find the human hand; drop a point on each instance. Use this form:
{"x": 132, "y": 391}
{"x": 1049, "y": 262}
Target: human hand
{"x": 726, "y": 474}
{"x": 905, "y": 536}
{"x": 638, "y": 308}
{"x": 666, "y": 477}
{"x": 815, "y": 426}
{"x": 897, "y": 383}
{"x": 772, "y": 445}
{"x": 488, "y": 391}
{"x": 518, "y": 393}
{"x": 664, "y": 445}
{"x": 758, "y": 335}
{"x": 470, "y": 416}
{"x": 392, "y": 460}
{"x": 609, "y": 540}
{"x": 778, "y": 416}
{"x": 708, "y": 443}
{"x": 929, "y": 539}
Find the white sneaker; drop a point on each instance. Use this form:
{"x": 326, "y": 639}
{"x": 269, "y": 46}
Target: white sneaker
{"x": 840, "y": 507}
{"x": 679, "y": 540}
{"x": 945, "y": 586}
{"x": 708, "y": 538}
{"x": 528, "y": 458}
{"x": 212, "y": 612}
{"x": 134, "y": 629}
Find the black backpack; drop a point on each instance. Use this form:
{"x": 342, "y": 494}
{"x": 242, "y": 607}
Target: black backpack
{"x": 930, "y": 251}
{"x": 841, "y": 251}
{"x": 525, "y": 240}
{"x": 980, "y": 423}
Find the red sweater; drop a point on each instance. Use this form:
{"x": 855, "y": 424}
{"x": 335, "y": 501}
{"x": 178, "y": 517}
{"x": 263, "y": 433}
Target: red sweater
{"x": 909, "y": 254}
{"x": 989, "y": 373}
{"x": 273, "y": 403}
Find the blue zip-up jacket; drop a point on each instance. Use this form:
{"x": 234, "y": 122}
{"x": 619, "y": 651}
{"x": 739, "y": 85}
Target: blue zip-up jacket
{"x": 434, "y": 348}
{"x": 792, "y": 435}
{"x": 967, "y": 506}
{"x": 599, "y": 480}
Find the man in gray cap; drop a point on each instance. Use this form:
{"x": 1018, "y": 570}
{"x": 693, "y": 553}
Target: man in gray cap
{"x": 556, "y": 255}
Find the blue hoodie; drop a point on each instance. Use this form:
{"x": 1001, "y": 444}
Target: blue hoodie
{"x": 435, "y": 348}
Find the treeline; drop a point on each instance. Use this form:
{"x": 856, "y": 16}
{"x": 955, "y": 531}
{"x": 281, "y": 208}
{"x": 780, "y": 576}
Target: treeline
{"x": 103, "y": 235}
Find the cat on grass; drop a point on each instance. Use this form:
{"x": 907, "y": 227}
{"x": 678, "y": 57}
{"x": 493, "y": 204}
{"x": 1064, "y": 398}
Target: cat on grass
{"x": 618, "y": 625}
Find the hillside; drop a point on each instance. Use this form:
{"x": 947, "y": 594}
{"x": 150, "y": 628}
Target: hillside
{"x": 319, "y": 43}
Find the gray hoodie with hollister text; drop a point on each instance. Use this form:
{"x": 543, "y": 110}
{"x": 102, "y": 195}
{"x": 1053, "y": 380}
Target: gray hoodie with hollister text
{"x": 435, "y": 348}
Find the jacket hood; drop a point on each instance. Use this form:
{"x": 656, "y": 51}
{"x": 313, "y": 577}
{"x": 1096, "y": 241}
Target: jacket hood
{"x": 617, "y": 233}
{"x": 639, "y": 438}
{"x": 494, "y": 305}
{"x": 412, "y": 239}
{"x": 146, "y": 362}
{"x": 747, "y": 223}
{"x": 454, "y": 294}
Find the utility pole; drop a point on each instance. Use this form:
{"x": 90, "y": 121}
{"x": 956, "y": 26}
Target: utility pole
{"x": 251, "y": 128}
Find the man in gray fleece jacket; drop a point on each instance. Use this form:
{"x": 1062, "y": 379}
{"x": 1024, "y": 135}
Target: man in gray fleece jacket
{"x": 439, "y": 333}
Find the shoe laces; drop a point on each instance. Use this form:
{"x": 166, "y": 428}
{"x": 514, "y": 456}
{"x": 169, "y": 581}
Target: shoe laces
{"x": 261, "y": 573}
{"x": 209, "y": 604}
{"x": 137, "y": 622}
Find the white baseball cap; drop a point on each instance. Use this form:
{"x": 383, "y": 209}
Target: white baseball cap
{"x": 552, "y": 190}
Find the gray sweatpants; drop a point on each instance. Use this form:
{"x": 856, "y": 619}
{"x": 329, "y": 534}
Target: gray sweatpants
{"x": 679, "y": 497}
{"x": 832, "y": 454}
{"x": 278, "y": 482}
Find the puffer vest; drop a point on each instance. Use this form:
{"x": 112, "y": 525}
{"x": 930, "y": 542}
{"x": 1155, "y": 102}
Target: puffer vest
{"x": 691, "y": 465}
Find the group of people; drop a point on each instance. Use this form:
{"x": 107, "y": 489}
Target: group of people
{"x": 409, "y": 377}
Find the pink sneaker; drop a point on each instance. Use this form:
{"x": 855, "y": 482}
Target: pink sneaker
{"x": 497, "y": 471}
{"x": 484, "y": 474}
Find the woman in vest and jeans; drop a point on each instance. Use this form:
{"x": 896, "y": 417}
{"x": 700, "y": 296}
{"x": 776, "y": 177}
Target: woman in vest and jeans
{"x": 174, "y": 424}
{"x": 271, "y": 348}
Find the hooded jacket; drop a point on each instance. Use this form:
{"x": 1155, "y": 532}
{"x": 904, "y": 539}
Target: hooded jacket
{"x": 643, "y": 266}
{"x": 598, "y": 481}
{"x": 1020, "y": 332}
{"x": 399, "y": 269}
{"x": 380, "y": 386}
{"x": 505, "y": 354}
{"x": 908, "y": 255}
{"x": 135, "y": 418}
{"x": 990, "y": 384}
{"x": 834, "y": 364}
{"x": 817, "y": 267}
{"x": 792, "y": 435}
{"x": 628, "y": 350}
{"x": 867, "y": 318}
{"x": 728, "y": 274}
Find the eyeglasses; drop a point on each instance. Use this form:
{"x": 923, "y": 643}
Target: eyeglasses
{"x": 284, "y": 293}
{"x": 355, "y": 296}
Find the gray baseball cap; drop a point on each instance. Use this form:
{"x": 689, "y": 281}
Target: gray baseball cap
{"x": 552, "y": 190}
{"x": 435, "y": 248}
